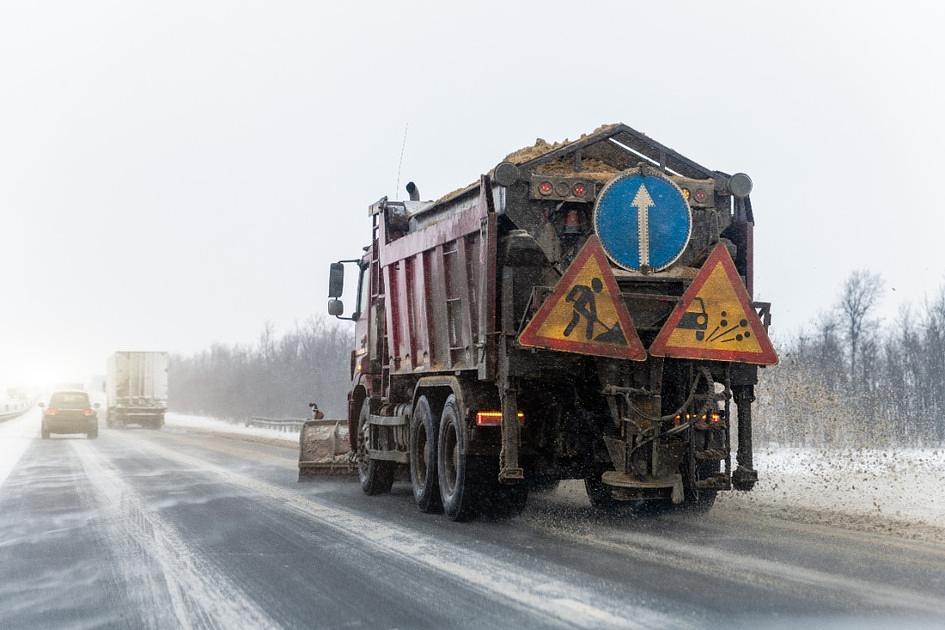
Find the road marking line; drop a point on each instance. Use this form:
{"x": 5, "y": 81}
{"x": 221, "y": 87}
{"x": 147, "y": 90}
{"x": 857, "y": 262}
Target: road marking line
{"x": 198, "y": 593}
{"x": 556, "y": 599}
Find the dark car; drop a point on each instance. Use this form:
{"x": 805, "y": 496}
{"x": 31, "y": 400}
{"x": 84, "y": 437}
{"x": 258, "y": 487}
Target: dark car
{"x": 70, "y": 412}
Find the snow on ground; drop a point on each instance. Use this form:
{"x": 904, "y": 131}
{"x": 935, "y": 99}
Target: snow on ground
{"x": 203, "y": 423}
{"x": 893, "y": 485}
{"x": 15, "y": 437}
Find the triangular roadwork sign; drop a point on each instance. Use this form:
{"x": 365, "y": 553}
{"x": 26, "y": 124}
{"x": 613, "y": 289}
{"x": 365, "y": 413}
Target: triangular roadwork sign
{"x": 585, "y": 313}
{"x": 715, "y": 320}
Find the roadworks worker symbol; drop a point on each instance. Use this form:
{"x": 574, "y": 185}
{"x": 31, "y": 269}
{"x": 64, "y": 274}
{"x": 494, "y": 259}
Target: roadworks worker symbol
{"x": 714, "y": 320}
{"x": 585, "y": 313}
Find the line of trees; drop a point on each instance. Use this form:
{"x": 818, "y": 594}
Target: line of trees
{"x": 849, "y": 381}
{"x": 275, "y": 377}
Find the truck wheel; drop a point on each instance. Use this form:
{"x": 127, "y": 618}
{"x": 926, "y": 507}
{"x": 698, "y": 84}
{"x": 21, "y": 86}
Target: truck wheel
{"x": 423, "y": 462}
{"x": 695, "y": 502}
{"x": 498, "y": 500}
{"x": 456, "y": 471}
{"x": 702, "y": 500}
{"x": 376, "y": 476}
{"x": 91, "y": 435}
{"x": 543, "y": 486}
{"x": 599, "y": 494}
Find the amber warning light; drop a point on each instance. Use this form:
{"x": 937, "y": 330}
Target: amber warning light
{"x": 494, "y": 418}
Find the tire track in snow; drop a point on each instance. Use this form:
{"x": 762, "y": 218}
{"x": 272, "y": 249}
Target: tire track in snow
{"x": 559, "y": 601}
{"x": 188, "y": 591}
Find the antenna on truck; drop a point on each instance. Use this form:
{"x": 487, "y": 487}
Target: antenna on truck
{"x": 400, "y": 164}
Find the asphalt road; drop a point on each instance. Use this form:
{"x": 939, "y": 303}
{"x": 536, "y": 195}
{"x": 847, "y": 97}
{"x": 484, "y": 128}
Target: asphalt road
{"x": 147, "y": 529}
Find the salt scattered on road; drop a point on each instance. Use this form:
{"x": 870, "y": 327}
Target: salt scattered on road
{"x": 906, "y": 485}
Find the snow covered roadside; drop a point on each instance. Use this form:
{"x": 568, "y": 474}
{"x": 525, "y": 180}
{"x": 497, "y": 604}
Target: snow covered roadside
{"x": 203, "y": 423}
{"x": 888, "y": 490}
{"x": 16, "y": 435}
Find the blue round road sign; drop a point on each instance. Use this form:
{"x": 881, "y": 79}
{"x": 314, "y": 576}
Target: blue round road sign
{"x": 642, "y": 221}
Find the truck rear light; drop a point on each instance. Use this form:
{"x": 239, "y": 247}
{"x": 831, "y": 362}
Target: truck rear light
{"x": 572, "y": 223}
{"x": 579, "y": 190}
{"x": 563, "y": 189}
{"x": 546, "y": 188}
{"x": 699, "y": 195}
{"x": 52, "y": 411}
{"x": 87, "y": 412}
{"x": 494, "y": 418}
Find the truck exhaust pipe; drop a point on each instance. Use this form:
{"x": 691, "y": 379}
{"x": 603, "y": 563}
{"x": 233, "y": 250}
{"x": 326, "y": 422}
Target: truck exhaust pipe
{"x": 413, "y": 191}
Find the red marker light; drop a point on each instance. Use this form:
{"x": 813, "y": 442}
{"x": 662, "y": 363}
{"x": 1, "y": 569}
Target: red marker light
{"x": 494, "y": 418}
{"x": 87, "y": 412}
{"x": 700, "y": 195}
{"x": 545, "y": 188}
{"x": 579, "y": 190}
{"x": 52, "y": 411}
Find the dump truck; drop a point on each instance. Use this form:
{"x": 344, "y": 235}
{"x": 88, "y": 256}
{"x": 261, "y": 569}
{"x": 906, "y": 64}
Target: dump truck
{"x": 136, "y": 387}
{"x": 582, "y": 311}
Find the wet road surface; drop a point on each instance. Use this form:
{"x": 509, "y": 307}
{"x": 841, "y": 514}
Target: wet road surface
{"x": 173, "y": 528}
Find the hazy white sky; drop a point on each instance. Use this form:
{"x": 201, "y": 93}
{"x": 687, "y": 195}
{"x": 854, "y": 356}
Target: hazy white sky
{"x": 177, "y": 173}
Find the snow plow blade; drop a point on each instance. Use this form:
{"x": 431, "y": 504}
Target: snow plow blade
{"x": 324, "y": 449}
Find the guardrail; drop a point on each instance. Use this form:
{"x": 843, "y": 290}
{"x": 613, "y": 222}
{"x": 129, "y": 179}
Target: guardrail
{"x": 286, "y": 425}
{"x": 9, "y": 415}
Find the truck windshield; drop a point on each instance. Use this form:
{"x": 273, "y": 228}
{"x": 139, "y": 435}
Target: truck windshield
{"x": 69, "y": 400}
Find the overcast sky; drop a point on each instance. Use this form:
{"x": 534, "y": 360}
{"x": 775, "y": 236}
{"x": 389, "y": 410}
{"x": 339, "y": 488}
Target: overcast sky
{"x": 174, "y": 174}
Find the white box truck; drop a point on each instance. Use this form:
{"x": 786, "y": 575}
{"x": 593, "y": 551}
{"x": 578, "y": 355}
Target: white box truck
{"x": 136, "y": 385}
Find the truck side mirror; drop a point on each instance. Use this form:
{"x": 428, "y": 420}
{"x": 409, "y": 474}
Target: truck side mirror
{"x": 336, "y": 281}
{"x": 336, "y": 307}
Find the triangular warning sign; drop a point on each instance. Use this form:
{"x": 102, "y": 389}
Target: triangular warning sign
{"x": 714, "y": 320}
{"x": 585, "y": 313}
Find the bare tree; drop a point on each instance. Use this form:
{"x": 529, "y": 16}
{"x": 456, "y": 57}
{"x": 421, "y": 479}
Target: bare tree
{"x": 861, "y": 293}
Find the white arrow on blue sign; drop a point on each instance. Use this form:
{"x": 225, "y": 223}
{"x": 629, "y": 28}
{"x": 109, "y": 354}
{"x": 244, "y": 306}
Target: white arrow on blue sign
{"x": 643, "y": 221}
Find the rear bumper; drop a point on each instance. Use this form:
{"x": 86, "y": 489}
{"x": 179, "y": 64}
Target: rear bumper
{"x": 70, "y": 425}
{"x": 136, "y": 412}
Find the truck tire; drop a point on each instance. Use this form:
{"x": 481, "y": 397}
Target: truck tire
{"x": 376, "y": 476}
{"x": 700, "y": 501}
{"x": 91, "y": 435}
{"x": 499, "y": 500}
{"x": 458, "y": 472}
{"x": 423, "y": 461}
{"x": 694, "y": 501}
{"x": 599, "y": 494}
{"x": 543, "y": 486}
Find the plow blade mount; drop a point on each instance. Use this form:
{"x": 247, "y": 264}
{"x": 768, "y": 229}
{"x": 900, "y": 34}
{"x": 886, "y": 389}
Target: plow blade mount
{"x": 324, "y": 449}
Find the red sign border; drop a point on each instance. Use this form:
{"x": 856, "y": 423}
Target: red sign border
{"x": 634, "y": 350}
{"x": 719, "y": 256}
